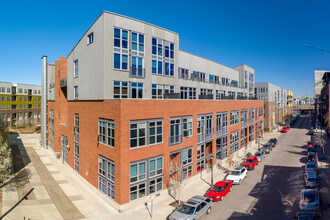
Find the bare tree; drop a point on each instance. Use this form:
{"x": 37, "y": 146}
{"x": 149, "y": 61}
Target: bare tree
{"x": 230, "y": 161}
{"x": 5, "y": 156}
{"x": 287, "y": 202}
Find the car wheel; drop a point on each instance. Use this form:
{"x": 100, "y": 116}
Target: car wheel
{"x": 208, "y": 211}
{"x": 221, "y": 199}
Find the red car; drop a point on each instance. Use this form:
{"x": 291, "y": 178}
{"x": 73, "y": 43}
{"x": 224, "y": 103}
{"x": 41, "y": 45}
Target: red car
{"x": 219, "y": 190}
{"x": 310, "y": 144}
{"x": 250, "y": 162}
{"x": 285, "y": 129}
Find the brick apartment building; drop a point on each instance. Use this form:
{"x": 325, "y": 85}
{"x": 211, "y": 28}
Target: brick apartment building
{"x": 130, "y": 112}
{"x": 19, "y": 104}
{"x": 276, "y": 103}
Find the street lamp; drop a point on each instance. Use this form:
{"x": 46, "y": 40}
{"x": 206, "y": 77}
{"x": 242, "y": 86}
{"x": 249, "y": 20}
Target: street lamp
{"x": 212, "y": 157}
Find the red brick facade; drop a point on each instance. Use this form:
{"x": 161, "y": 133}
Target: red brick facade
{"x": 122, "y": 112}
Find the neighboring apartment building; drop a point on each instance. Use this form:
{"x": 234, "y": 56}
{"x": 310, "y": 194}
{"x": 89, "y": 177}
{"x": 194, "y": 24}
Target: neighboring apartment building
{"x": 290, "y": 102}
{"x": 19, "y": 104}
{"x": 275, "y": 103}
{"x": 131, "y": 113}
{"x": 318, "y": 82}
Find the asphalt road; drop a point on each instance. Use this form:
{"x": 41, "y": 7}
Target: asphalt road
{"x": 272, "y": 190}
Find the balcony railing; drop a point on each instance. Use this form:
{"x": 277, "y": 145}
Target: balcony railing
{"x": 244, "y": 124}
{"x": 210, "y": 96}
{"x": 63, "y": 82}
{"x": 200, "y": 138}
{"x": 209, "y": 134}
{"x": 251, "y": 121}
{"x": 242, "y": 98}
{"x": 218, "y": 132}
{"x": 229, "y": 97}
{"x": 137, "y": 72}
{"x": 253, "y": 98}
{"x": 172, "y": 96}
{"x": 174, "y": 140}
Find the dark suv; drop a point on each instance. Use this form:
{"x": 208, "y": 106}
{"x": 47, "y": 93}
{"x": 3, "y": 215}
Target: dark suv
{"x": 273, "y": 141}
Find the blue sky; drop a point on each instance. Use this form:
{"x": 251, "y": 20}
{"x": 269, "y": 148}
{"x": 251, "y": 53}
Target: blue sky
{"x": 266, "y": 35}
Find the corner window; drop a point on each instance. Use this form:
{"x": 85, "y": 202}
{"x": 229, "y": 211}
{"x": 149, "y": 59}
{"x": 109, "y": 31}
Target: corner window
{"x": 234, "y": 117}
{"x": 146, "y": 132}
{"x": 90, "y": 38}
{"x": 107, "y": 176}
{"x": 107, "y": 132}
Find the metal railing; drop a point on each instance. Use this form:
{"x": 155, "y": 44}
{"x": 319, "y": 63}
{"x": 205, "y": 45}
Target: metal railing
{"x": 172, "y": 96}
{"x": 174, "y": 140}
{"x": 137, "y": 72}
{"x": 209, "y": 134}
{"x": 244, "y": 124}
{"x": 63, "y": 82}
{"x": 209, "y": 96}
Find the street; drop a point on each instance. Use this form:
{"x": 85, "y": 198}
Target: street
{"x": 271, "y": 191}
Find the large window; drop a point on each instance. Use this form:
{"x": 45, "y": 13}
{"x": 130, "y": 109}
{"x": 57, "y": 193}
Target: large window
{"x": 137, "y": 66}
{"x": 183, "y": 73}
{"x": 76, "y": 142}
{"x": 120, "y": 49}
{"x": 146, "y": 132}
{"x": 234, "y": 117}
{"x": 146, "y": 177}
{"x": 120, "y": 90}
{"x": 162, "y": 57}
{"x": 187, "y": 126}
{"x": 75, "y": 88}
{"x": 158, "y": 91}
{"x": 107, "y": 176}
{"x": 188, "y": 93}
{"x": 260, "y": 112}
{"x": 234, "y": 141}
{"x": 75, "y": 63}
{"x": 180, "y": 127}
{"x": 222, "y": 147}
{"x": 136, "y": 90}
{"x": 107, "y": 132}
{"x": 200, "y": 157}
{"x": 137, "y": 42}
{"x": 222, "y": 123}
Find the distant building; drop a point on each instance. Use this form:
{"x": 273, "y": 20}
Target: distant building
{"x": 276, "y": 99}
{"x": 19, "y": 104}
{"x": 318, "y": 74}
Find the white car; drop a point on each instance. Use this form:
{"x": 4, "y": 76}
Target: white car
{"x": 237, "y": 175}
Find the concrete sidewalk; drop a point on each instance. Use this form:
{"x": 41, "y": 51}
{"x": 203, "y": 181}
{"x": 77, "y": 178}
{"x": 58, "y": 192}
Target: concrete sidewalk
{"x": 60, "y": 193}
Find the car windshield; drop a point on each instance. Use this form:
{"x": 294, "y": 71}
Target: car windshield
{"x": 216, "y": 188}
{"x": 310, "y": 149}
{"x": 186, "y": 209}
{"x": 310, "y": 165}
{"x": 235, "y": 172}
{"x": 258, "y": 154}
{"x": 249, "y": 161}
{"x": 266, "y": 145}
{"x": 309, "y": 197}
{"x": 312, "y": 179}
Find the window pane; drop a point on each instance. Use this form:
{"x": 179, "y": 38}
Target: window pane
{"x": 124, "y": 34}
{"x": 117, "y": 32}
{"x": 134, "y": 37}
{"x": 117, "y": 61}
{"x": 141, "y": 38}
{"x": 142, "y": 168}
{"x": 152, "y": 165}
{"x": 159, "y": 163}
{"x": 133, "y": 170}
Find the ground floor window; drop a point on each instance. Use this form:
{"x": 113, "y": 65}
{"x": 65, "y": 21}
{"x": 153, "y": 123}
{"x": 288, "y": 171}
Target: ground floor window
{"x": 251, "y": 133}
{"x": 222, "y": 147}
{"x": 146, "y": 177}
{"x": 234, "y": 141}
{"x": 107, "y": 176}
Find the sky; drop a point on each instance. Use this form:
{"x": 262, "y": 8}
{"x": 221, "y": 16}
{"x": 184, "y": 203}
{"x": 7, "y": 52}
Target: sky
{"x": 268, "y": 36}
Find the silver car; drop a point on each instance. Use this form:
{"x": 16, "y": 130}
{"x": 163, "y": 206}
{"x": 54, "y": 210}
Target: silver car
{"x": 311, "y": 180}
{"x": 310, "y": 200}
{"x": 194, "y": 208}
{"x": 260, "y": 155}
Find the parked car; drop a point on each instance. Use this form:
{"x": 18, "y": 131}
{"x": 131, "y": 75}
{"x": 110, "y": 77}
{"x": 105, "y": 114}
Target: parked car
{"x": 309, "y": 200}
{"x": 306, "y": 215}
{"x": 219, "y": 190}
{"x": 311, "y": 149}
{"x": 310, "y": 132}
{"x": 311, "y": 180}
{"x": 250, "y": 162}
{"x": 311, "y": 167}
{"x": 267, "y": 148}
{"x": 285, "y": 129}
{"x": 237, "y": 175}
{"x": 194, "y": 208}
{"x": 310, "y": 144}
{"x": 260, "y": 155}
{"x": 311, "y": 157}
{"x": 273, "y": 140}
